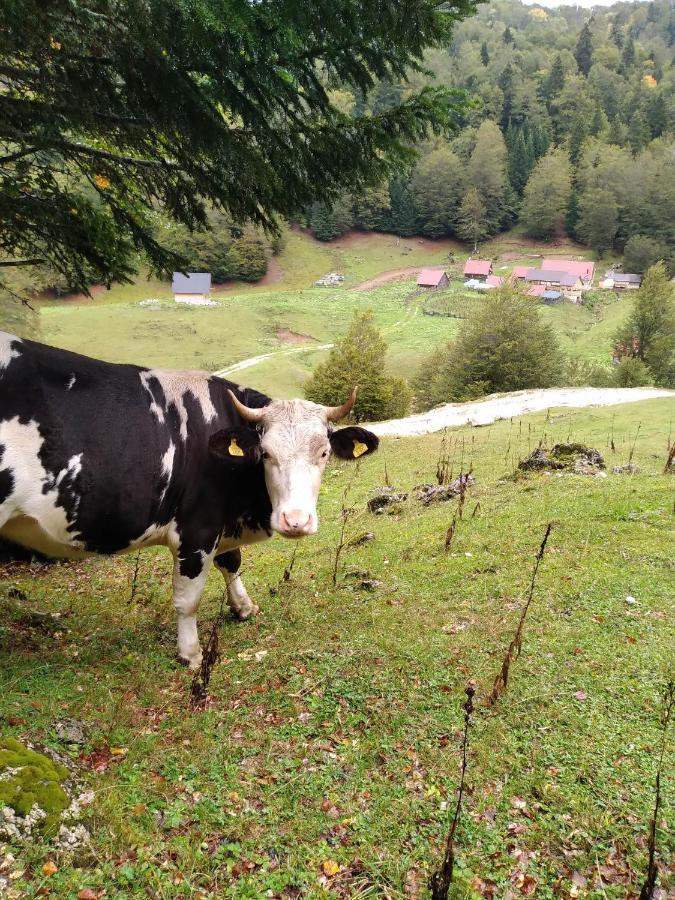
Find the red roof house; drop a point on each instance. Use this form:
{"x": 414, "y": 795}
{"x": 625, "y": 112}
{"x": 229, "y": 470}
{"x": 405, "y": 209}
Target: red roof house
{"x": 580, "y": 269}
{"x": 494, "y": 280}
{"x": 519, "y": 271}
{"x": 432, "y": 278}
{"x": 477, "y": 268}
{"x": 536, "y": 290}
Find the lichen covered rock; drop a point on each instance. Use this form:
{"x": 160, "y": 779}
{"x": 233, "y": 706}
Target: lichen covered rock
{"x": 576, "y": 458}
{"x": 32, "y": 792}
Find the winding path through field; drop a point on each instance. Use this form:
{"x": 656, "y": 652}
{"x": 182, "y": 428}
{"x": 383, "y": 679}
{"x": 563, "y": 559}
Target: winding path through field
{"x": 503, "y": 406}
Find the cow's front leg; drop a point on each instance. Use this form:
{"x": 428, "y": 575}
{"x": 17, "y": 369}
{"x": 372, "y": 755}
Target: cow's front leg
{"x": 237, "y": 597}
{"x": 189, "y": 577}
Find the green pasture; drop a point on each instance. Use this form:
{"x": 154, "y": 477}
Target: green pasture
{"x": 327, "y": 765}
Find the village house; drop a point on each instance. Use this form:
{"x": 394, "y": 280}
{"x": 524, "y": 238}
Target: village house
{"x": 621, "y": 281}
{"x": 551, "y": 279}
{"x": 433, "y": 278}
{"x": 582, "y": 269}
{"x": 477, "y": 268}
{"x": 192, "y": 287}
{"x": 519, "y": 273}
{"x": 494, "y": 281}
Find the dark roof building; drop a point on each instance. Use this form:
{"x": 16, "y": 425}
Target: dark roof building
{"x": 581, "y": 268}
{"x": 548, "y": 276}
{"x": 191, "y": 283}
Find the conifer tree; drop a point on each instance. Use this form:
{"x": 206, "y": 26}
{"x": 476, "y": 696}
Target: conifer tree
{"x": 583, "y": 52}
{"x": 359, "y": 360}
{"x": 650, "y": 328}
{"x": 484, "y": 54}
{"x": 110, "y": 108}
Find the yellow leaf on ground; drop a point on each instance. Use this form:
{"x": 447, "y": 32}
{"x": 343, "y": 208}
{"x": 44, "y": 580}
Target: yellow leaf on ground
{"x": 49, "y": 868}
{"x": 330, "y": 867}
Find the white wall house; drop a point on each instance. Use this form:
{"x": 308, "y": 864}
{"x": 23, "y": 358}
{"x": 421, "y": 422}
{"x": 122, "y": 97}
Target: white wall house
{"x": 192, "y": 287}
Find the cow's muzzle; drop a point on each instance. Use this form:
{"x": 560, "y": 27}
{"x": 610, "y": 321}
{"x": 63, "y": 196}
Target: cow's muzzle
{"x": 296, "y": 523}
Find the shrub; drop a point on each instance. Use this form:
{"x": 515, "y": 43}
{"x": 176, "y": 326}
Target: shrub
{"x": 504, "y": 347}
{"x": 632, "y": 372}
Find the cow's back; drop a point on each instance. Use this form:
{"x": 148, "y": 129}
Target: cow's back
{"x": 88, "y": 448}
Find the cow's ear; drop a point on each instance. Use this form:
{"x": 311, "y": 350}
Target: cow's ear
{"x": 353, "y": 442}
{"x": 236, "y": 446}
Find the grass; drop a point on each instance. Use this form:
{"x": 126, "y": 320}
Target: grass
{"x": 247, "y": 318}
{"x": 324, "y": 768}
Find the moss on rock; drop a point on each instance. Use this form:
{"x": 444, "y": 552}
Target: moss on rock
{"x": 29, "y": 778}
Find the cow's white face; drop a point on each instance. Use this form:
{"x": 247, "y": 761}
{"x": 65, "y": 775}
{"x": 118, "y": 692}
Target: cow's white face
{"x": 294, "y": 440}
{"x": 295, "y": 450}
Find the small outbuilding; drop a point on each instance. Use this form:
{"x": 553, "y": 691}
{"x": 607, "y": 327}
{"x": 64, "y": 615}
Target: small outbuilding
{"x": 477, "y": 268}
{"x": 192, "y": 287}
{"x": 433, "y": 278}
{"x": 627, "y": 281}
{"x": 519, "y": 272}
{"x": 494, "y": 281}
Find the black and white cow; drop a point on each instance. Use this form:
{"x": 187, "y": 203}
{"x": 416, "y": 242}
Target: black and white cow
{"x": 100, "y": 458}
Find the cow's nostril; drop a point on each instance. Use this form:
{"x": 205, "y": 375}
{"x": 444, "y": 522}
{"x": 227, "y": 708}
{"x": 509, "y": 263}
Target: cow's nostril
{"x": 295, "y": 519}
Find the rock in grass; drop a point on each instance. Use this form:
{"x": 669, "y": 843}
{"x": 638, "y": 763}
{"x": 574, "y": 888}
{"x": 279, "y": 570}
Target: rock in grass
{"x": 38, "y": 796}
{"x": 32, "y": 794}
{"x": 629, "y": 469}
{"x": 70, "y": 731}
{"x": 438, "y": 493}
{"x": 575, "y": 458}
{"x": 387, "y": 497}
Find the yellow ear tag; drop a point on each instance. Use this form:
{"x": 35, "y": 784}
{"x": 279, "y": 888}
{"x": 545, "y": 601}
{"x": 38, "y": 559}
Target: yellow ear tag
{"x": 359, "y": 449}
{"x": 234, "y": 448}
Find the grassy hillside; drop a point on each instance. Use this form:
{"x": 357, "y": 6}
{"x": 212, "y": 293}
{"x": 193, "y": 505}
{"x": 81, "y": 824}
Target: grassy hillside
{"x": 340, "y": 743}
{"x": 249, "y": 318}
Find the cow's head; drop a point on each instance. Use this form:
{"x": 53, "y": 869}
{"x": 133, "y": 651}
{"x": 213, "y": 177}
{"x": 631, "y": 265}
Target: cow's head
{"x": 293, "y": 439}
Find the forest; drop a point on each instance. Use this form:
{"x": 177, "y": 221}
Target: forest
{"x": 569, "y": 125}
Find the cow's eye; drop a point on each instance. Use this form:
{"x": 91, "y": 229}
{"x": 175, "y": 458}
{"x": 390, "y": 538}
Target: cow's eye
{"x": 324, "y": 454}
{"x": 265, "y": 454}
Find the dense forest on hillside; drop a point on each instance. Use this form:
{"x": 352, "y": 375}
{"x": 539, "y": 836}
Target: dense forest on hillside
{"x": 571, "y": 126}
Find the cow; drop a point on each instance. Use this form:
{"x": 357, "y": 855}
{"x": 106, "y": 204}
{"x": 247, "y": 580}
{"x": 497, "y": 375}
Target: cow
{"x": 107, "y": 458}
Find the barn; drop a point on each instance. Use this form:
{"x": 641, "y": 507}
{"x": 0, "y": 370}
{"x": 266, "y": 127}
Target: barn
{"x": 433, "y": 278}
{"x": 192, "y": 287}
{"x": 477, "y": 268}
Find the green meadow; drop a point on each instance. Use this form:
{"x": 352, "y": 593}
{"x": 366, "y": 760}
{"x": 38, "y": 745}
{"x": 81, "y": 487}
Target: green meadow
{"x": 326, "y": 762}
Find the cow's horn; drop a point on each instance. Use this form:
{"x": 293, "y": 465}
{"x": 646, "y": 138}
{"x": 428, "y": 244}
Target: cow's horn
{"x": 246, "y": 412}
{"x": 335, "y": 413}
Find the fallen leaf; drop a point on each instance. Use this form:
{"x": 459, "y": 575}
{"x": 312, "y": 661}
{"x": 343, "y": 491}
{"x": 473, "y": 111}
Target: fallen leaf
{"x": 330, "y": 867}
{"x": 518, "y": 803}
{"x": 580, "y": 695}
{"x": 87, "y": 894}
{"x": 49, "y": 868}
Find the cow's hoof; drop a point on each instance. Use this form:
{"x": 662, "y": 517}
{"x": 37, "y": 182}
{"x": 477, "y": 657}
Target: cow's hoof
{"x": 192, "y": 662}
{"x": 245, "y": 612}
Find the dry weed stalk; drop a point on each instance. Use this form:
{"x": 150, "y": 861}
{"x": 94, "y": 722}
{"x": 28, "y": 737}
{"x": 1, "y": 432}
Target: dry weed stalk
{"x": 440, "y": 881}
{"x": 648, "y": 887}
{"x": 459, "y": 515}
{"x": 515, "y": 646}
{"x": 288, "y": 571}
{"x": 200, "y": 682}
{"x": 134, "y": 578}
{"x": 443, "y": 462}
{"x": 670, "y": 461}
{"x": 632, "y": 449}
{"x": 346, "y": 512}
